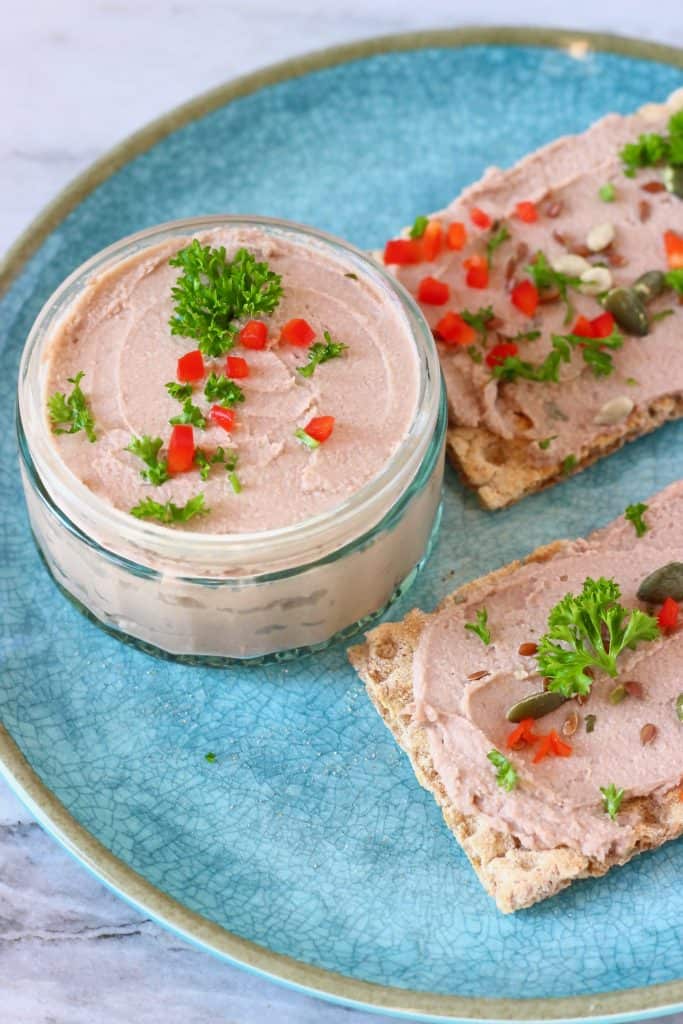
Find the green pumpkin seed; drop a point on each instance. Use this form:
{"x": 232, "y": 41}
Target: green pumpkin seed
{"x": 679, "y": 707}
{"x": 628, "y": 309}
{"x": 536, "y": 705}
{"x": 664, "y": 582}
{"x": 650, "y": 285}
{"x": 590, "y": 723}
{"x": 673, "y": 179}
{"x": 617, "y": 695}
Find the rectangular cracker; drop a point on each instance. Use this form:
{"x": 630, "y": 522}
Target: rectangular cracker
{"x": 516, "y": 877}
{"x": 503, "y": 470}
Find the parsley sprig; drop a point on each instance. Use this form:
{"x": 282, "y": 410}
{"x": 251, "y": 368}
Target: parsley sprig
{"x": 419, "y": 226}
{"x": 170, "y": 512}
{"x": 611, "y": 799}
{"x": 674, "y": 279}
{"x": 321, "y": 352}
{"x": 595, "y": 353}
{"x": 544, "y": 277}
{"x": 206, "y": 461}
{"x": 212, "y": 293}
{"x": 179, "y": 391}
{"x": 652, "y": 149}
{"x": 72, "y": 409}
{"x": 589, "y": 631}
{"x": 191, "y": 414}
{"x": 479, "y": 321}
{"x": 480, "y": 626}
{"x": 219, "y": 388}
{"x": 147, "y": 448}
{"x": 634, "y": 514}
{"x": 498, "y": 235}
{"x": 506, "y": 775}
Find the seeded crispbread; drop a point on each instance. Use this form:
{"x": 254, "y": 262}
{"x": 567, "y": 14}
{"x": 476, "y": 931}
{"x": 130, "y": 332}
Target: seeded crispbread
{"x": 516, "y": 877}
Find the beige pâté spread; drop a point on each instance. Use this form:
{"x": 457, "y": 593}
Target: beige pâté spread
{"x": 234, "y": 382}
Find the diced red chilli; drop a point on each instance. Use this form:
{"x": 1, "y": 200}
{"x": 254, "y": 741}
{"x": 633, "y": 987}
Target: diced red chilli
{"x": 181, "y": 449}
{"x": 320, "y": 428}
{"x": 237, "y": 367}
{"x": 668, "y": 615}
{"x": 190, "y": 367}
{"x": 433, "y": 292}
{"x": 527, "y": 212}
{"x": 479, "y": 217}
{"x": 222, "y": 417}
{"x": 297, "y": 332}
{"x": 254, "y": 335}
{"x": 402, "y": 251}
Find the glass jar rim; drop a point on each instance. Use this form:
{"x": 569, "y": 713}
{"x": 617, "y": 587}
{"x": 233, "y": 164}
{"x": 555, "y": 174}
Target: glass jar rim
{"x": 163, "y": 541}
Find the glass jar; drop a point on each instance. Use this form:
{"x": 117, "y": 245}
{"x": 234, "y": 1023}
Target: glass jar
{"x": 219, "y": 598}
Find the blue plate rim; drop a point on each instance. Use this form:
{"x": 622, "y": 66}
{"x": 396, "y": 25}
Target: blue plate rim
{"x": 622, "y": 1005}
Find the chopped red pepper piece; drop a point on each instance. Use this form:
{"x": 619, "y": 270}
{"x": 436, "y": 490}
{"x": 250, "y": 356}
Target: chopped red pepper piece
{"x": 524, "y": 733}
{"x": 320, "y": 428}
{"x": 599, "y": 327}
{"x": 403, "y": 250}
{"x": 190, "y": 366}
{"x": 527, "y": 212}
{"x": 480, "y": 217}
{"x": 551, "y": 745}
{"x": 297, "y": 332}
{"x": 433, "y": 292}
{"x": 477, "y": 271}
{"x": 602, "y": 325}
{"x": 432, "y": 240}
{"x": 181, "y": 449}
{"x": 222, "y": 416}
{"x": 237, "y": 367}
{"x": 525, "y": 297}
{"x": 453, "y": 330}
{"x": 456, "y": 236}
{"x": 668, "y": 614}
{"x": 254, "y": 335}
{"x": 499, "y": 353}
{"x": 673, "y": 244}
{"x": 583, "y": 328}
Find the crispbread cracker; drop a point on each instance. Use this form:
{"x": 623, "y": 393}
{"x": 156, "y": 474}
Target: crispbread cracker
{"x": 500, "y": 471}
{"x": 514, "y": 876}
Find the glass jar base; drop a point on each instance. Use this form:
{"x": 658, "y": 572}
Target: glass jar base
{"x": 214, "y": 661}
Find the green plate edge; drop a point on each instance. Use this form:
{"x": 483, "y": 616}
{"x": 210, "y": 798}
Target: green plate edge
{"x": 50, "y": 812}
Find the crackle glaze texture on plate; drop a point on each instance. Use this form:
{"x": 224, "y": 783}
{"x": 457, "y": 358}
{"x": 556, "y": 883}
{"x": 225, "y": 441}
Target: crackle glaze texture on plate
{"x": 310, "y": 835}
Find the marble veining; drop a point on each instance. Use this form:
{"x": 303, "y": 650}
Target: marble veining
{"x": 71, "y": 952}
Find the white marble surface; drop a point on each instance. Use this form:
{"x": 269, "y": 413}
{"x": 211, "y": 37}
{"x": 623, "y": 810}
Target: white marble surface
{"x": 76, "y": 76}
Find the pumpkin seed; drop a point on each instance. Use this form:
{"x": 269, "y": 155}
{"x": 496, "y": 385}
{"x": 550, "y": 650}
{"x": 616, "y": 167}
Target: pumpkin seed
{"x": 667, "y": 581}
{"x": 528, "y": 649}
{"x": 590, "y": 723}
{"x": 634, "y": 689}
{"x": 600, "y": 236}
{"x": 649, "y": 285}
{"x": 570, "y": 724}
{"x": 679, "y": 707}
{"x": 648, "y": 733}
{"x": 628, "y": 309}
{"x": 673, "y": 179}
{"x": 617, "y": 695}
{"x": 536, "y": 705}
{"x": 615, "y": 410}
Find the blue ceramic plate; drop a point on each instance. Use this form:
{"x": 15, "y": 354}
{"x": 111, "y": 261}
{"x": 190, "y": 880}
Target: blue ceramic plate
{"x": 308, "y": 850}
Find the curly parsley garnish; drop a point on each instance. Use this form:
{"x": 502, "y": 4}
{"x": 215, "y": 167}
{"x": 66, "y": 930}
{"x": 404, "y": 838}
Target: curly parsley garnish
{"x": 652, "y": 149}
{"x": 191, "y": 414}
{"x": 589, "y": 631}
{"x": 496, "y": 239}
{"x": 419, "y": 226}
{"x": 595, "y": 353}
{"x": 180, "y": 391}
{"x": 212, "y": 293}
{"x": 219, "y": 388}
{"x": 546, "y": 442}
{"x": 479, "y": 321}
{"x": 219, "y": 457}
{"x": 506, "y": 776}
{"x": 321, "y": 352}
{"x": 210, "y": 757}
{"x": 544, "y": 277}
{"x": 611, "y": 799}
{"x": 607, "y": 192}
{"x": 674, "y": 279}
{"x": 480, "y": 626}
{"x": 170, "y": 512}
{"x": 634, "y": 514}
{"x": 147, "y": 448}
{"x": 568, "y": 464}
{"x": 72, "y": 409}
